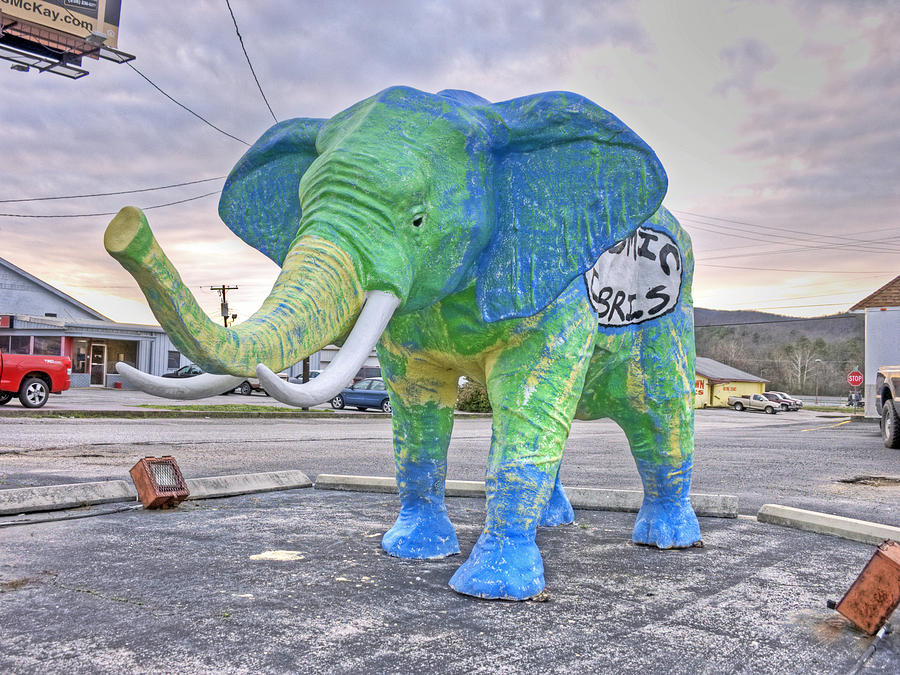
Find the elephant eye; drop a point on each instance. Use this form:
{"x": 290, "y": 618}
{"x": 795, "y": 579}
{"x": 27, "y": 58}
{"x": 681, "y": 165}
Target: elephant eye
{"x": 417, "y": 221}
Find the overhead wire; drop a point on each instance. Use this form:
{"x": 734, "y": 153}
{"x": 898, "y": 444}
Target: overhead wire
{"x": 788, "y": 320}
{"x": 182, "y": 105}
{"x": 108, "y": 194}
{"x": 862, "y": 245}
{"x": 247, "y": 56}
{"x": 778, "y": 230}
{"x": 108, "y": 213}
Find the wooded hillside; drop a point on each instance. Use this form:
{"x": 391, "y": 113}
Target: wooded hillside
{"x": 792, "y": 353}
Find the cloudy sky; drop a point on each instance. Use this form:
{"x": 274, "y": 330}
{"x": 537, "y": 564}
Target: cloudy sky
{"x": 777, "y": 123}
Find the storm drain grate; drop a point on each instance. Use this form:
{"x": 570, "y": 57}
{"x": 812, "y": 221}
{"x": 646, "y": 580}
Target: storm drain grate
{"x": 159, "y": 482}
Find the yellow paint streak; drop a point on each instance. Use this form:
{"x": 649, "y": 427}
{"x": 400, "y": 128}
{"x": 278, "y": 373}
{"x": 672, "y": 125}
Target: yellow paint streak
{"x": 830, "y": 426}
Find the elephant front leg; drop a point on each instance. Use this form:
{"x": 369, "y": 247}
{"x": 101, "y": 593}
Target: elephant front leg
{"x": 533, "y": 389}
{"x": 423, "y": 403}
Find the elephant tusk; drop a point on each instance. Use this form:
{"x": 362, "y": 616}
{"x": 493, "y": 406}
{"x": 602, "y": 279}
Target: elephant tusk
{"x": 199, "y": 386}
{"x": 370, "y": 324}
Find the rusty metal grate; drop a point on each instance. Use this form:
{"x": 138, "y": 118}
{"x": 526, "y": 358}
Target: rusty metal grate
{"x": 876, "y": 592}
{"x": 159, "y": 482}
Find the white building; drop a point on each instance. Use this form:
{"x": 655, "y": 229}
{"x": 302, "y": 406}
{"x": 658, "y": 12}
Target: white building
{"x": 882, "y": 311}
{"x": 36, "y": 318}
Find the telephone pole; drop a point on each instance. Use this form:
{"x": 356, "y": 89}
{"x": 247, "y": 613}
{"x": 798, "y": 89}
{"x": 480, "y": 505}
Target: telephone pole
{"x": 221, "y": 290}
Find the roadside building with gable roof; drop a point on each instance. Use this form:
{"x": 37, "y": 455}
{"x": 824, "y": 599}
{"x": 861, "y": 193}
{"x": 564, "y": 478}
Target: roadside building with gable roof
{"x": 36, "y": 318}
{"x": 715, "y": 382}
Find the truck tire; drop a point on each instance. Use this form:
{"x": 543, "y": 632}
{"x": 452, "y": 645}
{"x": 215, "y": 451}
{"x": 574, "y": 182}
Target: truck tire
{"x": 245, "y": 388}
{"x": 890, "y": 426}
{"x": 5, "y": 397}
{"x": 770, "y": 410}
{"x": 739, "y": 406}
{"x": 784, "y": 407}
{"x": 34, "y": 392}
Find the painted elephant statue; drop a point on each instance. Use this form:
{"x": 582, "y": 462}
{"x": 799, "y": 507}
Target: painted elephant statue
{"x": 522, "y": 244}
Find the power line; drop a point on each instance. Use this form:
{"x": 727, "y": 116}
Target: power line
{"x": 869, "y": 245}
{"x": 775, "y": 229}
{"x": 182, "y": 105}
{"x": 107, "y": 194}
{"x": 109, "y": 213}
{"x": 768, "y": 307}
{"x": 247, "y": 56}
{"x": 780, "y": 269}
{"x": 791, "y": 320}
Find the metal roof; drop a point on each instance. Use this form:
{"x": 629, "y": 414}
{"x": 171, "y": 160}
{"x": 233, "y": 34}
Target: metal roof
{"x": 714, "y": 370}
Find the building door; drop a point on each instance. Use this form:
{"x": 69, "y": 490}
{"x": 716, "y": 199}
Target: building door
{"x": 98, "y": 364}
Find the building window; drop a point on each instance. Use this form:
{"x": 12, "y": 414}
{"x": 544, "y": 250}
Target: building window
{"x": 79, "y": 357}
{"x": 50, "y": 346}
{"x": 20, "y": 344}
{"x": 174, "y": 359}
{"x": 121, "y": 350}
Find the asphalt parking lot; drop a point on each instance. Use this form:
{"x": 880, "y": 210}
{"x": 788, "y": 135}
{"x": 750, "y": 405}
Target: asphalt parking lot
{"x": 208, "y": 587}
{"x": 817, "y": 461}
{"x": 296, "y": 582}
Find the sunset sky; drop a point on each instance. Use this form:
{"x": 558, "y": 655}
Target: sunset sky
{"x": 777, "y": 123}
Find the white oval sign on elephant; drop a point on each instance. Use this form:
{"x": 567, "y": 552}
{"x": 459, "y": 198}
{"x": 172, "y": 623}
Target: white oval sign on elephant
{"x": 637, "y": 279}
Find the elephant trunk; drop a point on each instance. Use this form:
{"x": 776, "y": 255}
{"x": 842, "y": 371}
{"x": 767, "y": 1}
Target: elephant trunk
{"x": 314, "y": 301}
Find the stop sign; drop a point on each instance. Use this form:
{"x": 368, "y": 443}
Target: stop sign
{"x": 855, "y": 378}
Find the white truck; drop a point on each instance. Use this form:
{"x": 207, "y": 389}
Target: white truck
{"x": 756, "y": 402}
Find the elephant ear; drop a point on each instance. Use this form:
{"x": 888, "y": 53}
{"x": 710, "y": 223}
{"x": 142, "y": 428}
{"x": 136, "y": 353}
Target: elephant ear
{"x": 570, "y": 180}
{"x": 260, "y": 201}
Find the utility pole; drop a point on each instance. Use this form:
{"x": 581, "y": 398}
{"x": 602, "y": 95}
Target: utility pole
{"x": 221, "y": 290}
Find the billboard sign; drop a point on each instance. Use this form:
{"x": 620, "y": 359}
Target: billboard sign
{"x": 79, "y": 18}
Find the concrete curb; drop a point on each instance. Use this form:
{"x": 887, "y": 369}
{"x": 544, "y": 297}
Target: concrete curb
{"x": 246, "y": 483}
{"x": 56, "y": 497}
{"x": 73, "y": 495}
{"x": 865, "y": 420}
{"x": 824, "y": 523}
{"x": 595, "y": 499}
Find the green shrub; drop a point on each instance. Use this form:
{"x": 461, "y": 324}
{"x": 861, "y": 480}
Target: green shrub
{"x": 473, "y": 397}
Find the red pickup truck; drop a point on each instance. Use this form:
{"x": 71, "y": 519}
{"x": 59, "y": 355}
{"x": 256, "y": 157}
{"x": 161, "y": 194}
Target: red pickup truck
{"x": 33, "y": 378}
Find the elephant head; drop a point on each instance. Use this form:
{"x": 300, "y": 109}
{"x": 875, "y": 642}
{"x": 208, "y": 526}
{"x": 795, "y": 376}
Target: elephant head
{"x": 405, "y": 198}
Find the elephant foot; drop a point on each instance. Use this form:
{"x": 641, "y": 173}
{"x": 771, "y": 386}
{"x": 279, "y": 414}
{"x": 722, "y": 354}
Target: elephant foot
{"x": 558, "y": 510}
{"x": 421, "y": 534}
{"x": 501, "y": 568}
{"x": 666, "y": 524}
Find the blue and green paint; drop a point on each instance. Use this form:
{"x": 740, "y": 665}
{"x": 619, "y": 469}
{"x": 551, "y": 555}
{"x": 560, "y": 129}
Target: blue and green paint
{"x": 483, "y": 218}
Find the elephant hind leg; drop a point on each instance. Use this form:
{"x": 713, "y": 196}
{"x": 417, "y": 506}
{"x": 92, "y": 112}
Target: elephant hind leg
{"x": 650, "y": 394}
{"x": 559, "y": 510}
